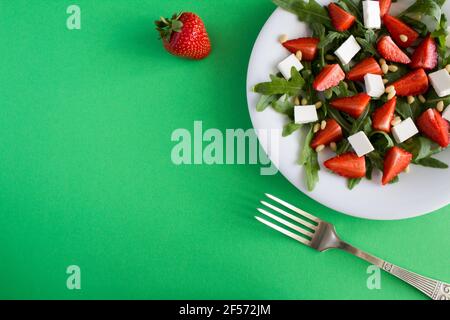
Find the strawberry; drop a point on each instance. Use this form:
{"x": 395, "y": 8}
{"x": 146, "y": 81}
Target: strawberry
{"x": 432, "y": 125}
{"x": 331, "y": 133}
{"x": 354, "y": 105}
{"x": 308, "y": 47}
{"x": 385, "y": 6}
{"x": 383, "y": 116}
{"x": 398, "y": 28}
{"x": 412, "y": 84}
{"x": 329, "y": 77}
{"x": 369, "y": 65}
{"x": 184, "y": 35}
{"x": 395, "y": 162}
{"x": 348, "y": 165}
{"x": 390, "y": 51}
{"x": 341, "y": 19}
{"x": 426, "y": 55}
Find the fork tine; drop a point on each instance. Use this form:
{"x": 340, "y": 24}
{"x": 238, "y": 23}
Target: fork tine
{"x": 286, "y": 223}
{"x": 290, "y": 216}
{"x": 284, "y": 231}
{"x": 295, "y": 209}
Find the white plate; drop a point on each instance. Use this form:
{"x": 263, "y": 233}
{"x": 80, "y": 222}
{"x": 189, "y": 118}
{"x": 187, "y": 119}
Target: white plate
{"x": 421, "y": 191}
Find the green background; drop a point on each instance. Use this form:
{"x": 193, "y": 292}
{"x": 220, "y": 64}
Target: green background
{"x": 86, "y": 178}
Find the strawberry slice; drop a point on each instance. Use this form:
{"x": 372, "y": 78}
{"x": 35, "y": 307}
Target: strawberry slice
{"x": 432, "y": 125}
{"x": 397, "y": 29}
{"x": 390, "y": 51}
{"x": 341, "y": 19}
{"x": 383, "y": 116}
{"x": 395, "y": 162}
{"x": 354, "y": 106}
{"x": 308, "y": 47}
{"x": 426, "y": 55}
{"x": 412, "y": 84}
{"x": 348, "y": 165}
{"x": 329, "y": 77}
{"x": 369, "y": 65}
{"x": 385, "y": 6}
{"x": 331, "y": 133}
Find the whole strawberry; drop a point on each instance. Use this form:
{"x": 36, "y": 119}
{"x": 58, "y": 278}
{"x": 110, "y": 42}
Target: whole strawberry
{"x": 184, "y": 35}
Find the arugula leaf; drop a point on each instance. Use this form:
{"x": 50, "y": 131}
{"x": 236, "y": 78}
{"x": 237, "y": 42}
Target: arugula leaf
{"x": 362, "y": 123}
{"x": 352, "y": 183}
{"x": 353, "y": 6}
{"x": 420, "y": 147}
{"x": 283, "y": 105}
{"x": 432, "y": 163}
{"x": 310, "y": 162}
{"x": 290, "y": 128}
{"x": 381, "y": 141}
{"x": 425, "y": 7}
{"x": 264, "y": 102}
{"x": 309, "y": 12}
{"x": 416, "y": 24}
{"x": 404, "y": 109}
{"x": 441, "y": 35}
{"x": 280, "y": 85}
{"x": 367, "y": 46}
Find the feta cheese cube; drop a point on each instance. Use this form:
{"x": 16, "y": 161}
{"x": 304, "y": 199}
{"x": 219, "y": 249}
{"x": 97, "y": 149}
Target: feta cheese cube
{"x": 404, "y": 130}
{"x": 361, "y": 144}
{"x": 446, "y": 113}
{"x": 374, "y": 85}
{"x": 348, "y": 50}
{"x": 441, "y": 82}
{"x": 371, "y": 11}
{"x": 305, "y": 114}
{"x": 286, "y": 65}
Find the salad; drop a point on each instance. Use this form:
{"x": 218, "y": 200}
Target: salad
{"x": 372, "y": 87}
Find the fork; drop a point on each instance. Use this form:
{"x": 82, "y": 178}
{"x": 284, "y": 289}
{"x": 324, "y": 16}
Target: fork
{"x": 321, "y": 235}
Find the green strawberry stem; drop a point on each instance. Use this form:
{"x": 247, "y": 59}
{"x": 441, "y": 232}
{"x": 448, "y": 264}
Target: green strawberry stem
{"x": 165, "y": 26}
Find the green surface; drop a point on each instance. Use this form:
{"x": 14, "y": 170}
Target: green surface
{"x": 86, "y": 177}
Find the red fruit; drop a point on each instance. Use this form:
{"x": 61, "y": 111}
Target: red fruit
{"x": 331, "y": 133}
{"x": 308, "y": 47}
{"x": 412, "y": 84}
{"x": 383, "y": 116}
{"x": 348, "y": 165}
{"x": 184, "y": 35}
{"x": 426, "y": 55}
{"x": 397, "y": 28}
{"x": 369, "y": 65}
{"x": 395, "y": 162}
{"x": 432, "y": 125}
{"x": 329, "y": 77}
{"x": 390, "y": 51}
{"x": 385, "y": 6}
{"x": 354, "y": 106}
{"x": 341, "y": 19}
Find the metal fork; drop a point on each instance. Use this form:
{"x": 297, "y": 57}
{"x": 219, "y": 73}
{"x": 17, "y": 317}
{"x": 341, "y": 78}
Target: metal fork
{"x": 321, "y": 235}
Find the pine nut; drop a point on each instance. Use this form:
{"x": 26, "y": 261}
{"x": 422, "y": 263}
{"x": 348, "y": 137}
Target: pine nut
{"x": 316, "y": 128}
{"x": 299, "y": 55}
{"x": 385, "y": 68}
{"x": 447, "y": 67}
{"x": 283, "y": 38}
{"x": 330, "y": 57}
{"x": 385, "y": 81}
{"x": 393, "y": 68}
{"x": 296, "y": 101}
{"x": 333, "y": 146}
{"x": 391, "y": 95}
{"x": 382, "y": 61}
{"x": 304, "y": 102}
{"x": 318, "y": 105}
{"x": 396, "y": 121}
{"x": 407, "y": 169}
{"x": 323, "y": 125}
{"x": 320, "y": 148}
{"x": 422, "y": 99}
{"x": 403, "y": 37}
{"x": 411, "y": 99}
{"x": 390, "y": 89}
{"x": 440, "y": 106}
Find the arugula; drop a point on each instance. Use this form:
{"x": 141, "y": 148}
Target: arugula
{"x": 264, "y": 102}
{"x": 309, "y": 160}
{"x": 309, "y": 12}
{"x": 280, "y": 85}
{"x": 290, "y": 128}
{"x": 363, "y": 123}
{"x": 441, "y": 35}
{"x": 430, "y": 8}
{"x": 381, "y": 141}
{"x": 352, "y": 183}
{"x": 353, "y": 6}
{"x": 284, "y": 105}
{"x": 432, "y": 163}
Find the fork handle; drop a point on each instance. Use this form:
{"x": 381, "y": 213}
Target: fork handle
{"x": 434, "y": 289}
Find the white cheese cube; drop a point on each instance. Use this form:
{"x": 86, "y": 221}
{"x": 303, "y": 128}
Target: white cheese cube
{"x": 286, "y": 65}
{"x": 404, "y": 130}
{"x": 371, "y": 11}
{"x": 446, "y": 113}
{"x": 361, "y": 144}
{"x": 348, "y": 50}
{"x": 305, "y": 114}
{"x": 374, "y": 85}
{"x": 441, "y": 82}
